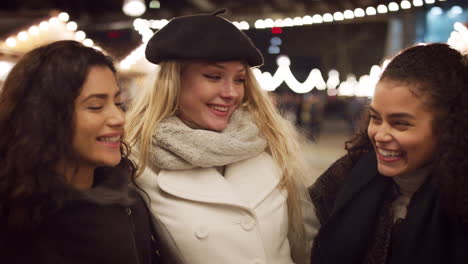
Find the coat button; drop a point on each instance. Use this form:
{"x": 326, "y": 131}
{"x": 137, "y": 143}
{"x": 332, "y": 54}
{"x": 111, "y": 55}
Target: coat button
{"x": 257, "y": 261}
{"x": 201, "y": 232}
{"x": 247, "y": 223}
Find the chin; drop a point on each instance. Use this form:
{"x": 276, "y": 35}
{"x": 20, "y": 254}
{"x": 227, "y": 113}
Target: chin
{"x": 217, "y": 127}
{"x": 389, "y": 172}
{"x": 112, "y": 162}
{"x": 220, "y": 129}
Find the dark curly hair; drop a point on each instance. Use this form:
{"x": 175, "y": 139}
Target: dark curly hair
{"x": 36, "y": 124}
{"x": 439, "y": 74}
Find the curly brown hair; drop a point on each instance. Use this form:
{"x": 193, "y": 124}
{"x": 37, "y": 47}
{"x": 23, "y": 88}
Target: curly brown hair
{"x": 439, "y": 74}
{"x": 36, "y": 124}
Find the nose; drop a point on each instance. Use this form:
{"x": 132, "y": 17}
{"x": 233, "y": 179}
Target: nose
{"x": 382, "y": 134}
{"x": 229, "y": 90}
{"x": 116, "y": 117}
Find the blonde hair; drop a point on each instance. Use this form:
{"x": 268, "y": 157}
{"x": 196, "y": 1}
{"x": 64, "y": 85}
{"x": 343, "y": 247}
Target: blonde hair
{"x": 149, "y": 107}
{"x": 155, "y": 104}
{"x": 284, "y": 146}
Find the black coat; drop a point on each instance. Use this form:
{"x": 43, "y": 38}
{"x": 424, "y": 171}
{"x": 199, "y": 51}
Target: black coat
{"x": 107, "y": 224}
{"x": 353, "y": 204}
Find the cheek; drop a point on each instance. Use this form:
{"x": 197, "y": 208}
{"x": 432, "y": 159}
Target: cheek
{"x": 86, "y": 127}
{"x": 82, "y": 137}
{"x": 420, "y": 153}
{"x": 81, "y": 145}
{"x": 370, "y": 131}
{"x": 428, "y": 144}
{"x": 182, "y": 101}
{"x": 187, "y": 101}
{"x": 195, "y": 91}
{"x": 418, "y": 146}
{"x": 241, "y": 93}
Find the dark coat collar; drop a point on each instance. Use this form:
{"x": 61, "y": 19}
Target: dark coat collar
{"x": 361, "y": 174}
{"x": 361, "y": 211}
{"x": 111, "y": 186}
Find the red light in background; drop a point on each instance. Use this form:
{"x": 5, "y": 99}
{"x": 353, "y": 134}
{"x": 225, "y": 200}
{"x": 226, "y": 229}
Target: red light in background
{"x": 113, "y": 34}
{"x": 276, "y": 30}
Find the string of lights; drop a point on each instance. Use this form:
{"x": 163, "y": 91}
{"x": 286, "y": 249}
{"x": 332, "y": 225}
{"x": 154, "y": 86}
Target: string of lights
{"x": 145, "y": 27}
{"x": 363, "y": 86}
{"x": 44, "y": 31}
{"x": 57, "y": 27}
{"x": 350, "y": 87}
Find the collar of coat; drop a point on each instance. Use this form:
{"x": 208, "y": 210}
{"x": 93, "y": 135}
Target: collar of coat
{"x": 252, "y": 179}
{"x": 360, "y": 175}
{"x": 111, "y": 186}
{"x": 361, "y": 218}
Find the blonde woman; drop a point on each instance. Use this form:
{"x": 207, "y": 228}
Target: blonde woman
{"x": 220, "y": 165}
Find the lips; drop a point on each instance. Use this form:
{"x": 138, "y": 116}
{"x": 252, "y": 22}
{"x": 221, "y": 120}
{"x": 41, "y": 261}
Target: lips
{"x": 109, "y": 139}
{"x": 389, "y": 155}
{"x": 219, "y": 107}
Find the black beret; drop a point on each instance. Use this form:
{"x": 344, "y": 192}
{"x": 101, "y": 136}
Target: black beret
{"x": 204, "y": 37}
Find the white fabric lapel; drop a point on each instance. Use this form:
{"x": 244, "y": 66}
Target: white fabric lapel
{"x": 253, "y": 179}
{"x": 246, "y": 183}
{"x": 202, "y": 185}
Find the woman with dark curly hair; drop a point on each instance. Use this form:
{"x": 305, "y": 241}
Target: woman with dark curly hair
{"x": 65, "y": 179}
{"x": 400, "y": 195}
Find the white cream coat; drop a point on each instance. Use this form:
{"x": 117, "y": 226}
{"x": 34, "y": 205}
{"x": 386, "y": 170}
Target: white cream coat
{"x": 240, "y": 217}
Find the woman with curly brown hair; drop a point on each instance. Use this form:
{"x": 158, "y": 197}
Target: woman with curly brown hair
{"x": 65, "y": 192}
{"x": 400, "y": 195}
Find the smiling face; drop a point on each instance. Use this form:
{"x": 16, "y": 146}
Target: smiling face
{"x": 400, "y": 129}
{"x": 98, "y": 120}
{"x": 210, "y": 92}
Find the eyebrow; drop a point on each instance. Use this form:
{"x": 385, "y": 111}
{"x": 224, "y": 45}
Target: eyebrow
{"x": 222, "y": 67}
{"x": 394, "y": 115}
{"x": 99, "y": 96}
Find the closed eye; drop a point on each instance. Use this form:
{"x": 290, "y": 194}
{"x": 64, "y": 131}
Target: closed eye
{"x": 401, "y": 123}
{"x": 94, "y": 107}
{"x": 122, "y": 106}
{"x": 212, "y": 77}
{"x": 240, "y": 80}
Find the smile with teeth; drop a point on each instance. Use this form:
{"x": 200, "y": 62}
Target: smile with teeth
{"x": 389, "y": 153}
{"x": 219, "y": 108}
{"x": 114, "y": 139}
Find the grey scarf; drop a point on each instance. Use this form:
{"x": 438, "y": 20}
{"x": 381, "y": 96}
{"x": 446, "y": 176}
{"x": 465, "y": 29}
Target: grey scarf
{"x": 177, "y": 146}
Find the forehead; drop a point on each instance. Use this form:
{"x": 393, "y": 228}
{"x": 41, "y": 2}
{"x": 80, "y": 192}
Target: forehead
{"x": 100, "y": 80}
{"x": 391, "y": 96}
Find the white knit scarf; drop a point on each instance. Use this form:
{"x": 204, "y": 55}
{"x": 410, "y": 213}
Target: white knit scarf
{"x": 178, "y": 147}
